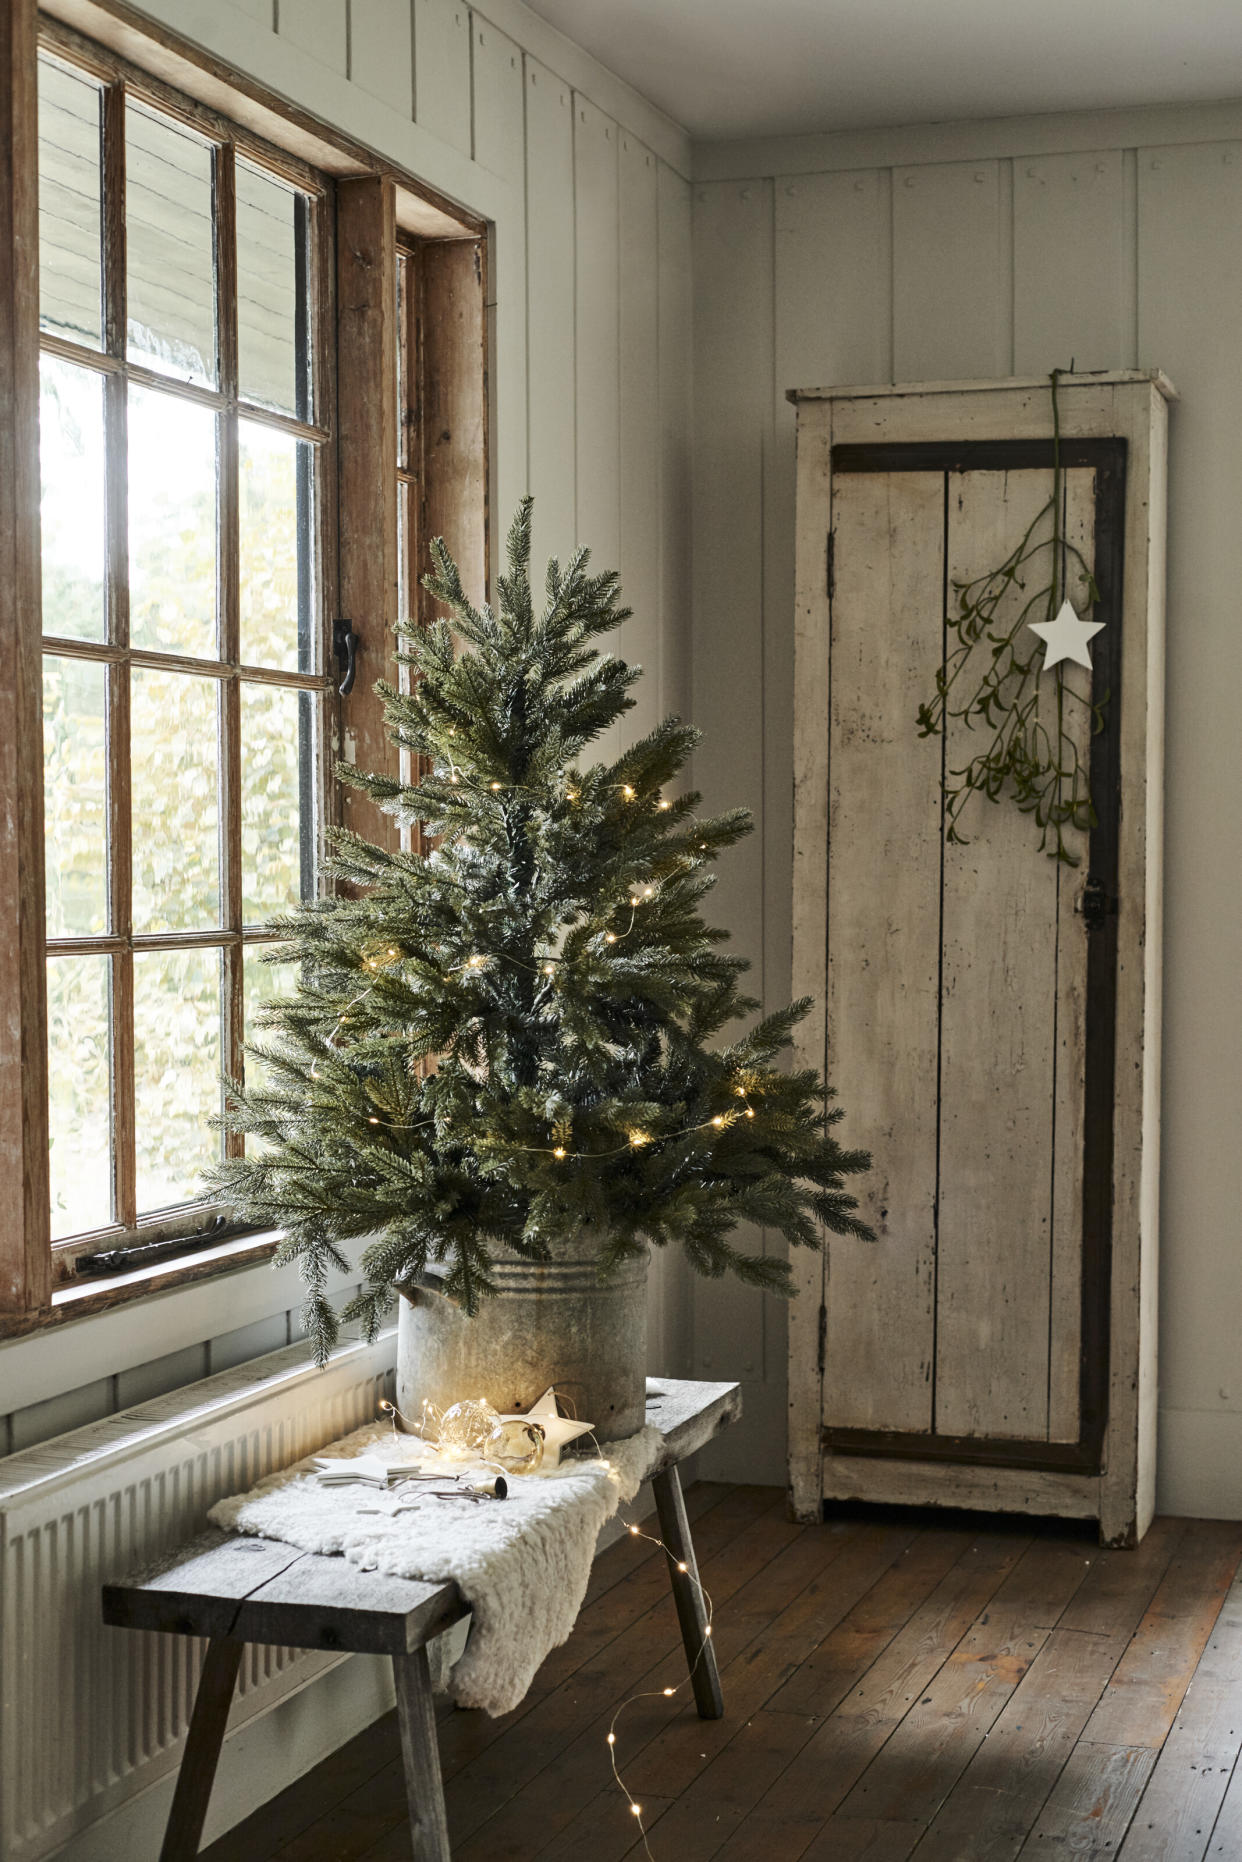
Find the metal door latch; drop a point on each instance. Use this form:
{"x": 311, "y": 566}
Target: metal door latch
{"x": 1095, "y": 904}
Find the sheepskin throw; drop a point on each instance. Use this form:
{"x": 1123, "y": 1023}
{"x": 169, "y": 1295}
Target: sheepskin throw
{"x": 522, "y": 1564}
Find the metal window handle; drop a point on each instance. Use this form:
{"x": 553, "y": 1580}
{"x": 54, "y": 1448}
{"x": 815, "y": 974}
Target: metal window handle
{"x": 345, "y": 645}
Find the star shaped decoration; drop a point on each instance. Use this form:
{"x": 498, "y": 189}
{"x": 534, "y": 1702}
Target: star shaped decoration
{"x": 558, "y": 1431}
{"x": 1066, "y": 637}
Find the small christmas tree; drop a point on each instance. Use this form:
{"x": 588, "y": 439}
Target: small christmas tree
{"x": 515, "y": 1034}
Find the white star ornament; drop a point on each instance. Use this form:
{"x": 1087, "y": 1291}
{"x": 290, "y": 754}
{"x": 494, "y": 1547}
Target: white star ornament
{"x": 1066, "y": 637}
{"x": 558, "y": 1430}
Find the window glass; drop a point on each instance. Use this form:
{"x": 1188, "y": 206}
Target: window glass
{"x": 177, "y": 1066}
{"x": 170, "y": 260}
{"x": 272, "y": 310}
{"x": 79, "y": 1093}
{"x": 72, "y": 514}
{"x": 276, "y": 547}
{"x": 172, "y": 524}
{"x": 75, "y": 795}
{"x": 174, "y": 784}
{"x": 70, "y": 246}
{"x": 276, "y": 771}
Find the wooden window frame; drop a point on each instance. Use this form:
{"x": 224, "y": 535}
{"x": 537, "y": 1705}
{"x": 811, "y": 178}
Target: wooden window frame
{"x": 449, "y": 386}
{"x": 120, "y": 82}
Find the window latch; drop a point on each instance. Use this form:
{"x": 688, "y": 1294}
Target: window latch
{"x": 345, "y": 645}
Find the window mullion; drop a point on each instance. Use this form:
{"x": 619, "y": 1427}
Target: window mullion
{"x": 116, "y": 493}
{"x": 229, "y": 558}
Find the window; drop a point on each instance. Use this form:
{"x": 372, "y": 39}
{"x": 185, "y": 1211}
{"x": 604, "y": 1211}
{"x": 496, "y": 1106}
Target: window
{"x": 232, "y": 453}
{"x": 186, "y": 467}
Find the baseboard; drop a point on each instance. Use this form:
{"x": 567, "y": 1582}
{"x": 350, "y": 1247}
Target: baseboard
{"x": 1199, "y": 1464}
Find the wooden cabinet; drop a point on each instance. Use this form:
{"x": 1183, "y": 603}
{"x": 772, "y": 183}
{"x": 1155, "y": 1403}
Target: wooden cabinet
{"x": 989, "y": 1015}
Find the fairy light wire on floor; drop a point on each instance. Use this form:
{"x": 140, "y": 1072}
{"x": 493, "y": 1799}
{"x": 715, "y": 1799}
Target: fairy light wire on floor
{"x": 653, "y": 1693}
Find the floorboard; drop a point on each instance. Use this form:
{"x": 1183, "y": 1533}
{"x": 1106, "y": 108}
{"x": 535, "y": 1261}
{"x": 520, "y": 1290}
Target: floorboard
{"x": 899, "y": 1686}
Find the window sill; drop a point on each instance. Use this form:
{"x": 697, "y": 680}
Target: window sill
{"x": 106, "y": 1326}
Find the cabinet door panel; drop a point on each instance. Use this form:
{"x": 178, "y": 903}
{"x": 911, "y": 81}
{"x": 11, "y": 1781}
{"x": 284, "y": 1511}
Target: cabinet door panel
{"x": 884, "y": 920}
{"x": 1004, "y": 942}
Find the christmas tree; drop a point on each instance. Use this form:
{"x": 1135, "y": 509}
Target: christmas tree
{"x": 521, "y": 1032}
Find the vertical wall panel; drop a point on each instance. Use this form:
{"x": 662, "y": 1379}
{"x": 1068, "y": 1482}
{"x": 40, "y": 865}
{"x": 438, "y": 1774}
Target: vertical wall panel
{"x": 950, "y": 285}
{"x": 596, "y": 308}
{"x": 498, "y": 105}
{"x": 675, "y": 368}
{"x": 1064, "y": 208}
{"x": 833, "y": 280}
{"x": 381, "y": 51}
{"x": 500, "y": 145}
{"x": 317, "y": 27}
{"x": 733, "y": 338}
{"x": 1190, "y": 286}
{"x": 442, "y": 70}
{"x": 550, "y": 309}
{"x": 596, "y": 322}
{"x": 639, "y": 277}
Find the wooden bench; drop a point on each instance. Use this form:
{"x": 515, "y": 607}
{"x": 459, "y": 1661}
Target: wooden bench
{"x": 234, "y": 1589}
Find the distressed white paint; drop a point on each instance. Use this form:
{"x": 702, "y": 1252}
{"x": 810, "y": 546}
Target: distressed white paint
{"x": 1138, "y": 265}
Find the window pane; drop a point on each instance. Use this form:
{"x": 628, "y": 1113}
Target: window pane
{"x": 177, "y": 1062}
{"x": 277, "y": 598}
{"x": 75, "y": 796}
{"x": 174, "y": 758}
{"x": 272, "y": 323}
{"x": 172, "y": 524}
{"x": 79, "y": 1093}
{"x": 71, "y": 462}
{"x": 70, "y": 288}
{"x": 171, "y": 301}
{"x": 276, "y": 799}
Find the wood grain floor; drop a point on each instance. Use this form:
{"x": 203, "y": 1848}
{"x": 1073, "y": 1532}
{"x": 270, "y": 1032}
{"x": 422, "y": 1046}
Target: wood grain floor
{"x": 896, "y": 1685}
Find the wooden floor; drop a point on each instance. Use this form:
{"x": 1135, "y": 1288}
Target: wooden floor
{"x": 896, "y": 1684}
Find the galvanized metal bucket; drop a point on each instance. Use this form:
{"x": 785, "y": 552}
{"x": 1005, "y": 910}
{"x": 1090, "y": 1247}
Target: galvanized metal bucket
{"x": 551, "y": 1322}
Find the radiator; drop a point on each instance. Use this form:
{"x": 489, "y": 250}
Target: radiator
{"x": 90, "y": 1716}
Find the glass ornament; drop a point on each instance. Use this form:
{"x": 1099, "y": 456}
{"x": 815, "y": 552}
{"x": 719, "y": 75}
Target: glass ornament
{"x": 467, "y": 1428}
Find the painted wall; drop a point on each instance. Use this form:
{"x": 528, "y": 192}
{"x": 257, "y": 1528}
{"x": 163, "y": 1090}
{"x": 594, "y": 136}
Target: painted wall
{"x": 585, "y": 186}
{"x": 975, "y": 251}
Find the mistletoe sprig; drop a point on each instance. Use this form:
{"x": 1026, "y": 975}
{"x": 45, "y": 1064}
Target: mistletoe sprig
{"x": 1030, "y": 753}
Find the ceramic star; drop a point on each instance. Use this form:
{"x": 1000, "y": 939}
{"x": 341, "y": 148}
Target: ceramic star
{"x": 1066, "y": 637}
{"x": 558, "y": 1431}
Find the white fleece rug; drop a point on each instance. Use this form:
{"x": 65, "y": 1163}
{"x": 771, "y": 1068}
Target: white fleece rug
{"x": 522, "y": 1563}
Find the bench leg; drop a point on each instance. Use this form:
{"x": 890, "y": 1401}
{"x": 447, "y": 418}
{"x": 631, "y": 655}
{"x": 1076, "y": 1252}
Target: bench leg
{"x": 691, "y": 1613}
{"x": 420, "y": 1752}
{"x": 202, "y": 1750}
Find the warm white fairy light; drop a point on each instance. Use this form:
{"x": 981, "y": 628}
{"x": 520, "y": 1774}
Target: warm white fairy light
{"x": 664, "y": 1693}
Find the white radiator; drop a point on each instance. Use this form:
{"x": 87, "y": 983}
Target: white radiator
{"x": 90, "y": 1716}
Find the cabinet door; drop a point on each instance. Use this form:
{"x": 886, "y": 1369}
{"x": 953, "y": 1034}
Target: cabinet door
{"x": 970, "y": 999}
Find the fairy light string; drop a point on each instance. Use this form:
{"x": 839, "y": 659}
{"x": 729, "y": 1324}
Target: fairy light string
{"x": 664, "y": 1693}
{"x": 680, "y": 1565}
{"x": 552, "y": 967}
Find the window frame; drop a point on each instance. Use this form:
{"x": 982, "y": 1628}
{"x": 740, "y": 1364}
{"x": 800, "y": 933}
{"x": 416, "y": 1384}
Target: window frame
{"x": 120, "y": 83}
{"x": 361, "y": 550}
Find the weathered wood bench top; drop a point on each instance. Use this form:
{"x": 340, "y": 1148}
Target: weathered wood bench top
{"x": 261, "y": 1590}
{"x": 235, "y": 1589}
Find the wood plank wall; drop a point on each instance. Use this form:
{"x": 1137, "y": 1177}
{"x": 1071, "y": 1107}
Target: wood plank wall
{"x": 872, "y": 258}
{"x": 585, "y": 187}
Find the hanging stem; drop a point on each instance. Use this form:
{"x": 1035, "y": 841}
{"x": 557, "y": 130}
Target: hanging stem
{"x": 1040, "y": 769}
